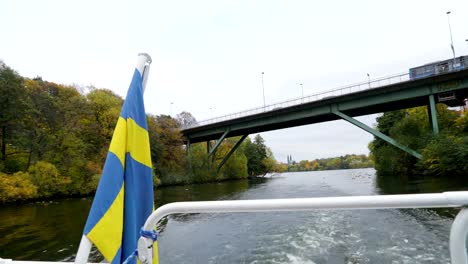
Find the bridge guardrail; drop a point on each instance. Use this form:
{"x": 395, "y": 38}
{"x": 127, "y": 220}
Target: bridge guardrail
{"x": 372, "y": 84}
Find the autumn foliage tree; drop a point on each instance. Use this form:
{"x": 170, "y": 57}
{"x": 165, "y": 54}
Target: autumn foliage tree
{"x": 54, "y": 140}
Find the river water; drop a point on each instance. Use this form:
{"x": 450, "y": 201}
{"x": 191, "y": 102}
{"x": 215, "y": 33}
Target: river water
{"x": 52, "y": 230}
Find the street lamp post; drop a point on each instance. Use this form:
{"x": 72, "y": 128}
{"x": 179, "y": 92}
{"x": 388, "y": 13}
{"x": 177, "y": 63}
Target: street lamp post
{"x": 368, "y": 79}
{"x": 302, "y": 90}
{"x": 263, "y": 88}
{"x": 211, "y": 110}
{"x": 450, "y": 29}
{"x": 172, "y": 103}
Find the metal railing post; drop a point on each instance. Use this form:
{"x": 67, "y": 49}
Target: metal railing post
{"x": 458, "y": 235}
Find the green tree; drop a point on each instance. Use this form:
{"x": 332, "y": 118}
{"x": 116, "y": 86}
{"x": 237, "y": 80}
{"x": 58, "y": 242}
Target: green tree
{"x": 168, "y": 156}
{"x": 446, "y": 155}
{"x": 404, "y": 127}
{"x": 236, "y": 165}
{"x": 70, "y": 122}
{"x": 105, "y": 108}
{"x": 13, "y": 103}
{"x": 269, "y": 162}
{"x": 200, "y": 164}
{"x": 411, "y": 128}
{"x": 256, "y": 153}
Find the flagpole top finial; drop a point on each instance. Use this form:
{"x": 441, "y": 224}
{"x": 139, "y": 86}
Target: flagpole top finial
{"x": 147, "y": 56}
{"x": 143, "y": 65}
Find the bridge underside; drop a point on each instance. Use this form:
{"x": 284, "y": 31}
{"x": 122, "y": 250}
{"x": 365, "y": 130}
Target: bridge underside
{"x": 383, "y": 99}
{"x": 451, "y": 89}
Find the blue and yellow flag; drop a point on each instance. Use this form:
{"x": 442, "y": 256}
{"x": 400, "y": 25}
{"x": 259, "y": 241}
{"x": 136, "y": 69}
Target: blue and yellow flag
{"x": 124, "y": 197}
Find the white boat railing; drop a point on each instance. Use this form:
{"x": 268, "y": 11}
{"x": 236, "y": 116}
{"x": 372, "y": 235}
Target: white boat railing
{"x": 458, "y": 232}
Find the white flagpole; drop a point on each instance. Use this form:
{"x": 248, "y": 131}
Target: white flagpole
{"x": 143, "y": 66}
{"x": 83, "y": 251}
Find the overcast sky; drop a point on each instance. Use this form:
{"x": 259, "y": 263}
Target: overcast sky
{"x": 208, "y": 55}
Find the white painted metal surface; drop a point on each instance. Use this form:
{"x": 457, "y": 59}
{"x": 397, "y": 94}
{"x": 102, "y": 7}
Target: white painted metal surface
{"x": 458, "y": 235}
{"x": 143, "y": 66}
{"x": 83, "y": 250}
{"x": 436, "y": 200}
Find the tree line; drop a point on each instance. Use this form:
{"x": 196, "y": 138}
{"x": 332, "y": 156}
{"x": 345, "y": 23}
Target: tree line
{"x": 352, "y": 161}
{"x": 54, "y": 139}
{"x": 444, "y": 154}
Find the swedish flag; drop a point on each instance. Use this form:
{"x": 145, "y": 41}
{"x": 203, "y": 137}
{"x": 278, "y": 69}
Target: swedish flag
{"x": 124, "y": 197}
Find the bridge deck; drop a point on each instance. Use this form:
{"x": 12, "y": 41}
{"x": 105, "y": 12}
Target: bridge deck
{"x": 401, "y": 95}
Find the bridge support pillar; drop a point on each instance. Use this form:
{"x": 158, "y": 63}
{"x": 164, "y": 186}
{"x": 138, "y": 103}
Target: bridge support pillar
{"x": 231, "y": 151}
{"x": 432, "y": 111}
{"x": 208, "y": 149}
{"x": 375, "y": 132}
{"x": 189, "y": 157}
{"x": 218, "y": 142}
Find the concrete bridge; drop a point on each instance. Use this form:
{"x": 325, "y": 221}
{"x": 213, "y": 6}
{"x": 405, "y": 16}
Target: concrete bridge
{"x": 381, "y": 95}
